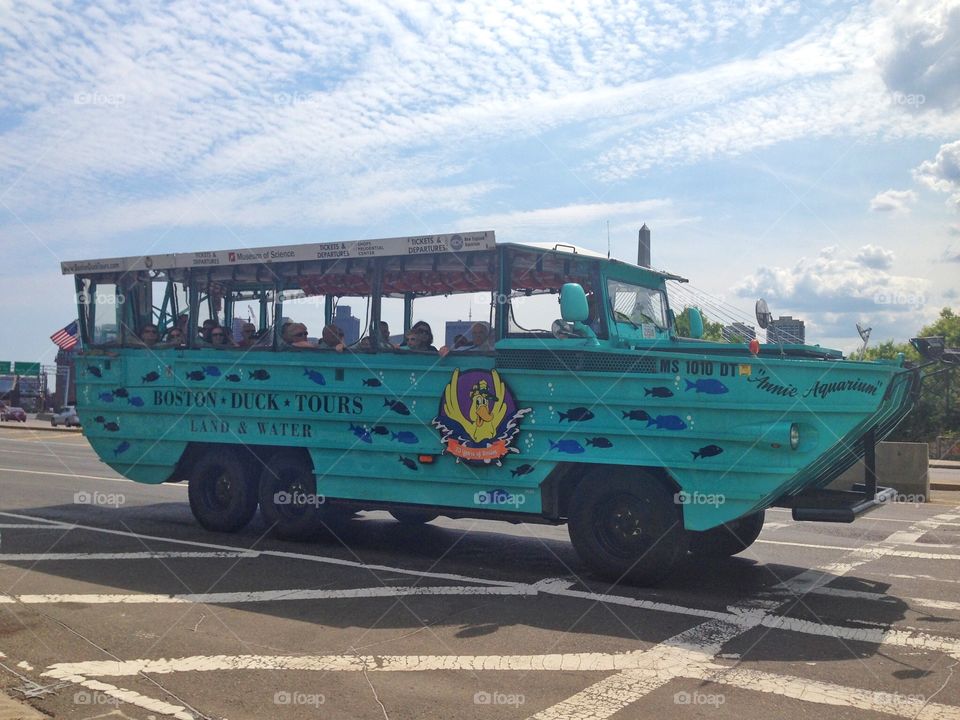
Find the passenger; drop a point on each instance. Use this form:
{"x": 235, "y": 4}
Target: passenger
{"x": 385, "y": 335}
{"x": 333, "y": 338}
{"x": 149, "y": 335}
{"x": 480, "y": 340}
{"x": 365, "y": 344}
{"x": 220, "y": 338}
{"x": 294, "y": 334}
{"x": 208, "y": 325}
{"x": 174, "y": 336}
{"x": 248, "y": 332}
{"x": 420, "y": 337}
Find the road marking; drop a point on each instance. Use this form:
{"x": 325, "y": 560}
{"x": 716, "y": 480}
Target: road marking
{"x": 881, "y": 597}
{"x": 263, "y": 595}
{"x": 894, "y": 553}
{"x": 30, "y": 526}
{"x": 139, "y": 555}
{"x": 91, "y": 477}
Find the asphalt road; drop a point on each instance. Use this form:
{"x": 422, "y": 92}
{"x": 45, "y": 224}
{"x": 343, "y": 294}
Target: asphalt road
{"x": 113, "y": 602}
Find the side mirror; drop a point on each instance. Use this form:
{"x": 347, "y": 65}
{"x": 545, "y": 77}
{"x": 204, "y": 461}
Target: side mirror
{"x": 696, "y": 323}
{"x": 573, "y": 303}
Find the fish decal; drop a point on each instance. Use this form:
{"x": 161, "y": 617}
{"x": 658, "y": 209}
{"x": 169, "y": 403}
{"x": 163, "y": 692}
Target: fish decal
{"x": 522, "y": 470}
{"x": 212, "y": 370}
{"x": 599, "y": 442}
{"x": 106, "y": 397}
{"x": 372, "y": 382}
{"x": 659, "y": 392}
{"x": 397, "y": 406}
{"x": 706, "y": 451}
{"x": 120, "y": 392}
{"x": 636, "y": 415}
{"x": 150, "y": 377}
{"x": 667, "y": 422}
{"x": 380, "y": 430}
{"x": 95, "y": 371}
{"x": 259, "y": 374}
{"x": 232, "y": 377}
{"x": 708, "y": 386}
{"x": 100, "y": 419}
{"x": 362, "y": 433}
{"x": 196, "y": 375}
{"x": 409, "y": 463}
{"x": 135, "y": 400}
{"x": 405, "y": 436}
{"x": 111, "y": 426}
{"x": 577, "y": 414}
{"x": 121, "y": 448}
{"x": 567, "y": 446}
{"x": 315, "y": 375}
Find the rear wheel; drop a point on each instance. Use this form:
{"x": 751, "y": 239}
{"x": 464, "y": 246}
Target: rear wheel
{"x": 288, "y": 496}
{"x": 727, "y": 539}
{"x": 413, "y": 517}
{"x": 222, "y": 496}
{"x": 627, "y": 528}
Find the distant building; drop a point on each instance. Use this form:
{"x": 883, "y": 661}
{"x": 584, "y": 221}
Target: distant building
{"x": 350, "y": 325}
{"x": 787, "y": 330}
{"x": 454, "y": 328}
{"x": 739, "y": 332}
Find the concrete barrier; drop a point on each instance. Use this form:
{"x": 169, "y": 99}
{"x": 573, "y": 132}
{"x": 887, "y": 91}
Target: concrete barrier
{"x": 902, "y": 466}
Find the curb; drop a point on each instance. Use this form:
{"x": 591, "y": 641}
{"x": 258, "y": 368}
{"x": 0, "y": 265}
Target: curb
{"x": 41, "y": 428}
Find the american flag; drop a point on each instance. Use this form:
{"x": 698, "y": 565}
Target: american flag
{"x": 67, "y": 337}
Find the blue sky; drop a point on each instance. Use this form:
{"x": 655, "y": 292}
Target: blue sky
{"x": 806, "y": 152}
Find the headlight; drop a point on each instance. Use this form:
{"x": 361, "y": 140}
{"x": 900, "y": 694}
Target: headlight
{"x": 794, "y": 436}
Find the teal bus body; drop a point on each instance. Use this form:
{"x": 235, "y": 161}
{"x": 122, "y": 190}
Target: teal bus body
{"x": 728, "y": 431}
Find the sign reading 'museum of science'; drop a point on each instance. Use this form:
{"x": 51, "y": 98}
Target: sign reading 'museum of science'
{"x": 411, "y": 245}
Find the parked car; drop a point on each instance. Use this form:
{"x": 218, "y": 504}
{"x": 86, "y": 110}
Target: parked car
{"x": 65, "y": 416}
{"x": 12, "y": 413}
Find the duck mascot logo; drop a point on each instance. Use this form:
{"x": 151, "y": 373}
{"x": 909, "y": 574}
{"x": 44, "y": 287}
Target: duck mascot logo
{"x": 478, "y": 417}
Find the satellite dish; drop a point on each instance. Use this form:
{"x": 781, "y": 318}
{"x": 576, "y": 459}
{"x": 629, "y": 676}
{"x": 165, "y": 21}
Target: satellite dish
{"x": 865, "y": 336}
{"x": 764, "y": 316}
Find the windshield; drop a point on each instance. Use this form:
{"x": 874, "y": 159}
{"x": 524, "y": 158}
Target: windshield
{"x": 637, "y": 305}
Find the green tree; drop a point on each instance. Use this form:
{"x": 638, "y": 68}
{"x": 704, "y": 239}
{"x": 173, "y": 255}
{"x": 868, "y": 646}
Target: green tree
{"x": 936, "y": 412}
{"x": 711, "y": 330}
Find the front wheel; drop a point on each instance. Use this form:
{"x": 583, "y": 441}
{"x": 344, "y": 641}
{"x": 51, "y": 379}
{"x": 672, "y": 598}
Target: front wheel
{"x": 223, "y": 498}
{"x": 288, "y": 497}
{"x": 727, "y": 539}
{"x": 627, "y": 528}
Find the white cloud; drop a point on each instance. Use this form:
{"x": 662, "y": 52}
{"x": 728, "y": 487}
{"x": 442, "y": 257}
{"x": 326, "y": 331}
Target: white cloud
{"x": 570, "y": 215}
{"x": 922, "y": 65}
{"x": 834, "y": 283}
{"x": 875, "y": 257}
{"x": 896, "y": 201}
{"x": 943, "y": 172}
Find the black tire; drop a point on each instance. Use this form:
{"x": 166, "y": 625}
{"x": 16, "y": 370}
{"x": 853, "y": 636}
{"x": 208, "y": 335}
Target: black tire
{"x": 222, "y": 496}
{"x": 413, "y": 517}
{"x": 727, "y": 539}
{"x": 627, "y": 528}
{"x": 288, "y": 497}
